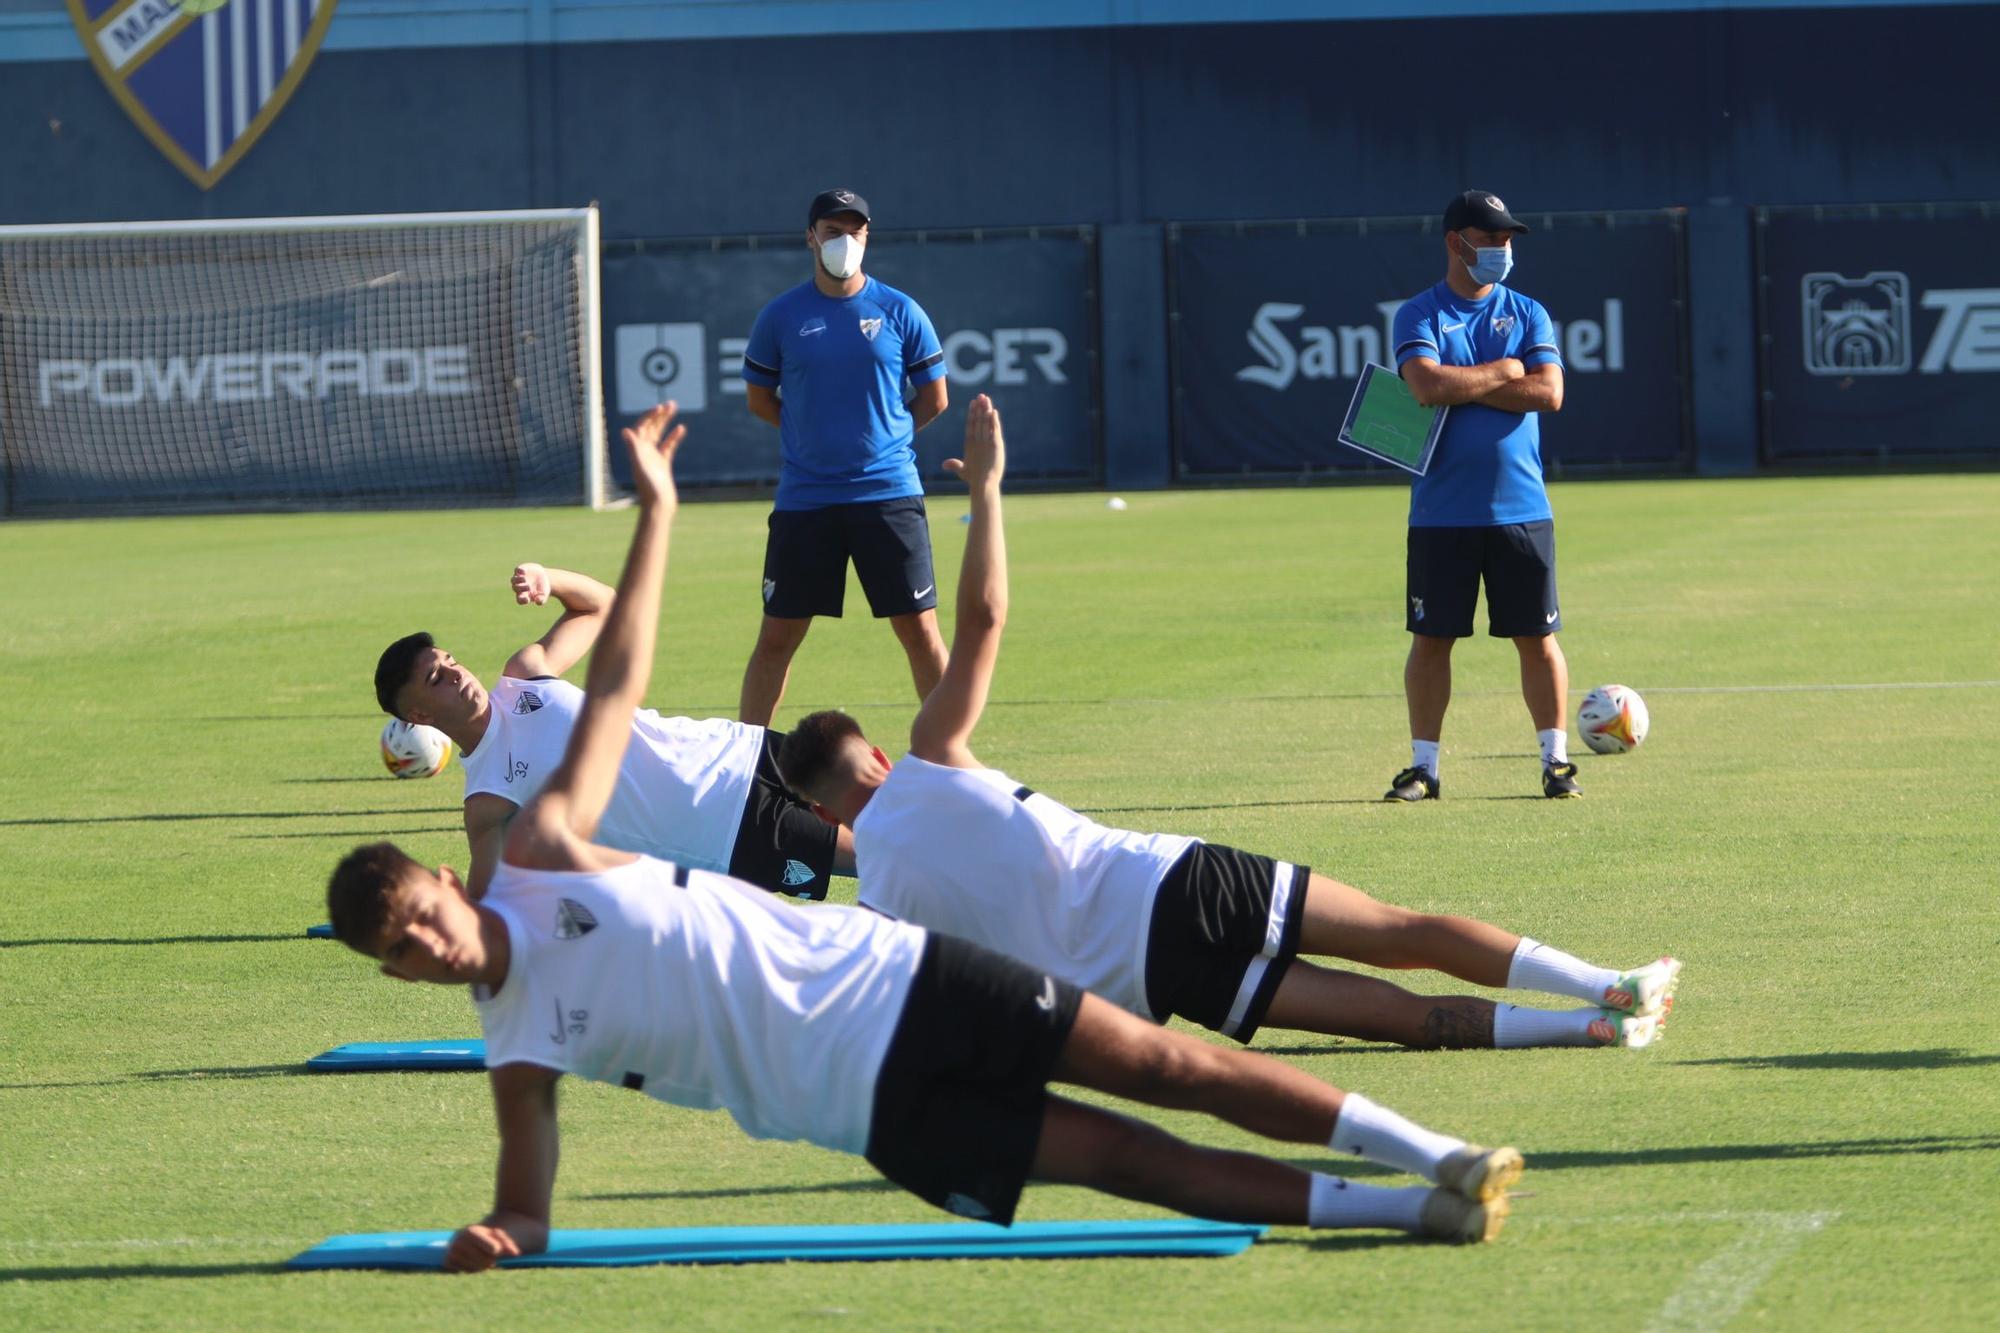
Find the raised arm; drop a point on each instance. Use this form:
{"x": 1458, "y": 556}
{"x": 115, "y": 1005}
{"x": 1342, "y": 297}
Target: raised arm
{"x": 569, "y": 807}
{"x": 585, "y": 603}
{"x": 524, "y": 1103}
{"x": 942, "y": 733}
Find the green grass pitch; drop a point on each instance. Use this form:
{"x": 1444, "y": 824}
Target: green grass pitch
{"x": 190, "y": 744}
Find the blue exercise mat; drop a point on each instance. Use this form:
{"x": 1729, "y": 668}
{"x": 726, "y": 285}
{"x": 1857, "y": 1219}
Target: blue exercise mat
{"x": 323, "y": 931}
{"x": 358, "y": 1057}
{"x": 757, "y": 1245}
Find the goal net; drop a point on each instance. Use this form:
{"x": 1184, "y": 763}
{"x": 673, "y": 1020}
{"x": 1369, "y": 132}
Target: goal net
{"x": 364, "y": 362}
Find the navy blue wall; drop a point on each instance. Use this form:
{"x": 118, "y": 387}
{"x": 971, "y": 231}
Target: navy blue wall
{"x": 1090, "y": 125}
{"x": 1717, "y": 109}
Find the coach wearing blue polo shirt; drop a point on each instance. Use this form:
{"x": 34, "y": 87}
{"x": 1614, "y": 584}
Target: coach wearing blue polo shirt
{"x": 1481, "y": 513}
{"x": 825, "y": 365}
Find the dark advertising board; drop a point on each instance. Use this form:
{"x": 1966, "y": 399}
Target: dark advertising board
{"x": 394, "y": 365}
{"x": 1015, "y": 314}
{"x": 1881, "y": 332}
{"x": 1273, "y": 323}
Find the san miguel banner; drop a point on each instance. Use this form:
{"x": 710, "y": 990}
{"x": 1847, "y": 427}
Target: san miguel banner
{"x": 1883, "y": 331}
{"x": 1015, "y": 314}
{"x": 1272, "y": 324}
{"x": 202, "y": 78}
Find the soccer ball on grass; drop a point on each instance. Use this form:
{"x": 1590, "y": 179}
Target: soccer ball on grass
{"x": 410, "y": 750}
{"x": 1612, "y": 719}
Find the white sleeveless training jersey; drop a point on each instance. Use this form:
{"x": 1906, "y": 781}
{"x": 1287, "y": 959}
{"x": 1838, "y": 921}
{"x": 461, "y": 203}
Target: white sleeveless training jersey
{"x": 956, "y": 850}
{"x": 702, "y": 991}
{"x": 681, "y": 790}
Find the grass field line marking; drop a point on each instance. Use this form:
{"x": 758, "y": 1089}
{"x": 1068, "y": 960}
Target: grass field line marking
{"x": 1783, "y": 687}
{"x": 136, "y": 1243}
{"x": 1741, "y": 1216}
{"x": 1716, "y": 1291}
{"x": 1814, "y": 689}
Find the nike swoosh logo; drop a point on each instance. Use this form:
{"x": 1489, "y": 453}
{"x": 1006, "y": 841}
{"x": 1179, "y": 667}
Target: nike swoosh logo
{"x": 1451, "y": 328}
{"x": 921, "y": 591}
{"x": 1046, "y": 1001}
{"x": 561, "y": 1035}
{"x": 1549, "y": 619}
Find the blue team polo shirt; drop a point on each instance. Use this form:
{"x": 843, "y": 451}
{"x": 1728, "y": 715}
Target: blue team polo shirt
{"x": 839, "y": 362}
{"x": 1487, "y": 469}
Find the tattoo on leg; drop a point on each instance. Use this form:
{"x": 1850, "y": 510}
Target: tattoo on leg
{"x": 1460, "y": 1025}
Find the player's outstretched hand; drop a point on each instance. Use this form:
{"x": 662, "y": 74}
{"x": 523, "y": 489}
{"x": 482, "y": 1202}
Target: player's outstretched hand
{"x": 985, "y": 450}
{"x": 476, "y": 1248}
{"x": 531, "y": 585}
{"x": 652, "y": 445}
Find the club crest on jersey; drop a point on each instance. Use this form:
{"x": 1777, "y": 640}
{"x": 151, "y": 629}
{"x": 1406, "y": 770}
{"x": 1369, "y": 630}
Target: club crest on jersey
{"x": 797, "y": 873}
{"x": 202, "y": 79}
{"x": 528, "y": 702}
{"x": 573, "y": 919}
{"x": 871, "y": 327}
{"x": 1502, "y": 323}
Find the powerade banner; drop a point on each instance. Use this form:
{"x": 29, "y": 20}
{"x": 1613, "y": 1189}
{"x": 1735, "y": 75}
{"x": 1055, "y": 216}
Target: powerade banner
{"x": 1273, "y": 323}
{"x": 386, "y": 365}
{"x": 1014, "y": 313}
{"x": 1883, "y": 332}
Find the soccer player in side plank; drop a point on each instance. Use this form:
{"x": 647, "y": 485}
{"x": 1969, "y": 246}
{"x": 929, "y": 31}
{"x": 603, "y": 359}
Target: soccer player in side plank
{"x": 926, "y": 1054}
{"x": 1158, "y": 924}
{"x": 701, "y": 793}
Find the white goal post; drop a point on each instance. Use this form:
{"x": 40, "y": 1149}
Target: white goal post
{"x": 382, "y": 361}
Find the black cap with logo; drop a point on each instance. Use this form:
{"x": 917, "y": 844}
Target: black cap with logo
{"x": 828, "y": 202}
{"x": 1481, "y": 209}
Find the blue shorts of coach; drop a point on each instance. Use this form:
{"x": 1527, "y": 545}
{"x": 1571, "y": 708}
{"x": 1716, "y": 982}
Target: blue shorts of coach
{"x": 806, "y": 555}
{"x": 1517, "y": 563}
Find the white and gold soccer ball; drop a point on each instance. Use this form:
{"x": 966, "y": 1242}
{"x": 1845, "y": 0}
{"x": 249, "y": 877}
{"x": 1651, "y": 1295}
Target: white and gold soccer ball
{"x": 1612, "y": 719}
{"x": 411, "y": 750}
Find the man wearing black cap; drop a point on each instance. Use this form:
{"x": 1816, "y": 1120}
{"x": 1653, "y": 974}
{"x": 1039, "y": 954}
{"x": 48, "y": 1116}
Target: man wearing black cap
{"x": 1481, "y": 512}
{"x": 839, "y": 348}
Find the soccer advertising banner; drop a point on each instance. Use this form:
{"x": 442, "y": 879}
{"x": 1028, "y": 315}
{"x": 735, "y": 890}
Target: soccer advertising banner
{"x": 1882, "y": 332}
{"x": 197, "y": 368}
{"x": 1015, "y": 315}
{"x": 1273, "y": 324}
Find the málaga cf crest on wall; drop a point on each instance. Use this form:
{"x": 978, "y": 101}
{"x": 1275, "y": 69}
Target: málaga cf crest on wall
{"x": 203, "y": 78}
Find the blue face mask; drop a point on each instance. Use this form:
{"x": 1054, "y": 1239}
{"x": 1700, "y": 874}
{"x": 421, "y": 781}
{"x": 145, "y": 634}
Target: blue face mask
{"x": 1493, "y": 263}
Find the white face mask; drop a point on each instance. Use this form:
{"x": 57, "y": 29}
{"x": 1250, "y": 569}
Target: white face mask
{"x": 1489, "y": 263}
{"x": 841, "y": 256}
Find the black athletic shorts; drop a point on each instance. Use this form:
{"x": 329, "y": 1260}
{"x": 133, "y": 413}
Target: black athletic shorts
{"x": 959, "y": 1101}
{"x": 1517, "y": 562}
{"x": 781, "y": 845}
{"x": 1224, "y": 932}
{"x": 806, "y": 555}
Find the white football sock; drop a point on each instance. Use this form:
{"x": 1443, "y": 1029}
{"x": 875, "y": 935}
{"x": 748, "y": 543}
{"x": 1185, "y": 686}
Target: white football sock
{"x": 1555, "y": 745}
{"x": 1424, "y": 755}
{"x": 1380, "y": 1135}
{"x": 1336, "y": 1202}
{"x": 1515, "y": 1026}
{"x": 1538, "y": 967}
